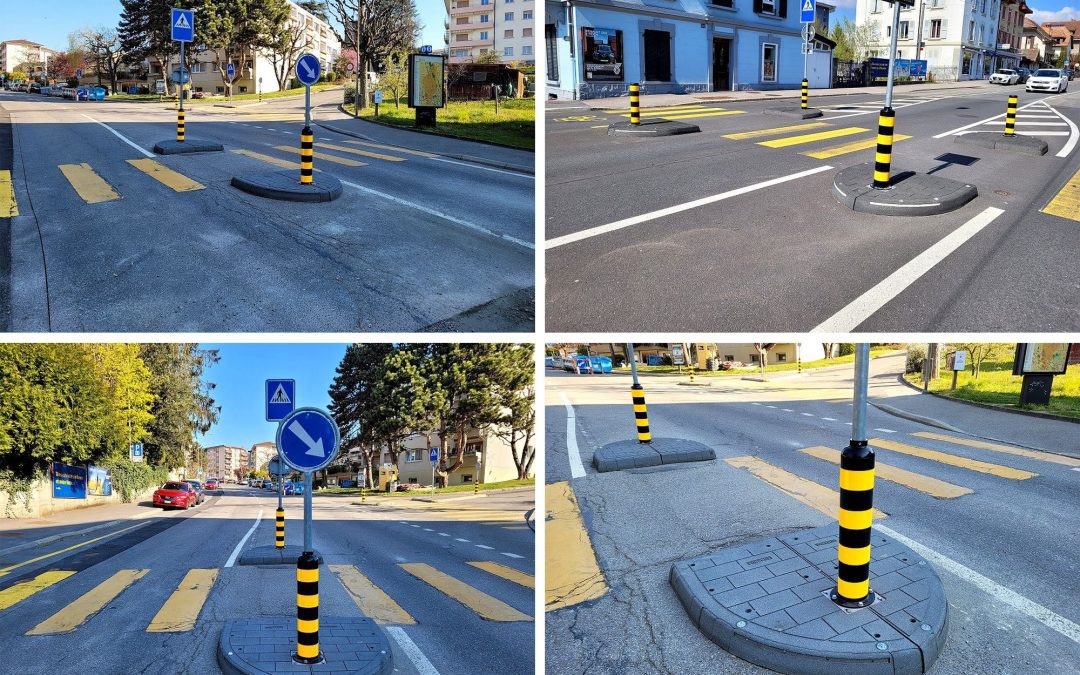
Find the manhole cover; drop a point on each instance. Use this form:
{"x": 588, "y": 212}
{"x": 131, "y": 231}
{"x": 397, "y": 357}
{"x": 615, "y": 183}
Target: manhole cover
{"x": 1002, "y": 193}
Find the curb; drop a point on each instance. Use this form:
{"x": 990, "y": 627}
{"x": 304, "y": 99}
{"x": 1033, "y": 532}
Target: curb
{"x": 634, "y": 455}
{"x": 987, "y": 406}
{"x": 63, "y": 535}
{"x": 659, "y": 127}
{"x": 283, "y": 185}
{"x": 436, "y": 500}
{"x": 187, "y": 147}
{"x": 1021, "y": 145}
{"x": 796, "y": 112}
{"x": 934, "y": 195}
{"x": 781, "y": 94}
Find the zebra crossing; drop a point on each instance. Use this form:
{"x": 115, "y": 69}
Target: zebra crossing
{"x": 869, "y": 107}
{"x": 1037, "y": 118}
{"x": 680, "y": 112}
{"x": 815, "y": 133}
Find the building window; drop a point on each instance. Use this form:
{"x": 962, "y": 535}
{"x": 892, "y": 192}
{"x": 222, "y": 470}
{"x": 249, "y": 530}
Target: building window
{"x": 971, "y": 31}
{"x": 484, "y": 18}
{"x": 526, "y": 50}
{"x": 508, "y": 33}
{"x": 552, "y": 45}
{"x": 730, "y": 4}
{"x": 526, "y": 32}
{"x": 781, "y": 357}
{"x": 460, "y": 53}
{"x": 508, "y": 51}
{"x": 473, "y": 447}
{"x": 527, "y": 15}
{"x": 903, "y": 34}
{"x": 466, "y": 478}
{"x": 483, "y": 35}
{"x": 462, "y": 20}
{"x": 768, "y": 7}
{"x": 875, "y": 7}
{"x": 461, "y": 37}
{"x": 729, "y": 357}
{"x": 509, "y": 16}
{"x": 657, "y": 55}
{"x": 768, "y": 62}
{"x": 485, "y": 2}
{"x": 935, "y": 28}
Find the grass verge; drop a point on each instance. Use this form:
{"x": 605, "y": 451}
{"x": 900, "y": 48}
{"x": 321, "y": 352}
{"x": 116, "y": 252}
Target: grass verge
{"x": 513, "y": 126}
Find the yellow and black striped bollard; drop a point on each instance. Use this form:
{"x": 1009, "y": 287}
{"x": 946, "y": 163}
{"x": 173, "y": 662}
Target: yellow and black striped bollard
{"x": 805, "y": 93}
{"x": 363, "y": 495}
{"x": 280, "y": 540}
{"x": 640, "y": 414}
{"x": 307, "y": 608}
{"x": 179, "y": 126}
{"x": 856, "y": 516}
{"x": 883, "y": 158}
{"x": 476, "y": 487}
{"x": 1010, "y": 116}
{"x": 635, "y": 104}
{"x": 307, "y": 156}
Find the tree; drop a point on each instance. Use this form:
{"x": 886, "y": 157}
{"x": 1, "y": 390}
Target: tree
{"x": 239, "y": 28}
{"x": 315, "y": 7}
{"x": 183, "y": 404}
{"x": 385, "y": 27}
{"x": 979, "y": 352}
{"x": 18, "y": 76}
{"x": 395, "y": 78}
{"x": 854, "y": 41}
{"x": 515, "y": 393}
{"x": 289, "y": 41}
{"x": 763, "y": 353}
{"x": 106, "y": 52}
{"x": 125, "y": 380}
{"x": 351, "y": 393}
{"x": 145, "y": 32}
{"x": 488, "y": 57}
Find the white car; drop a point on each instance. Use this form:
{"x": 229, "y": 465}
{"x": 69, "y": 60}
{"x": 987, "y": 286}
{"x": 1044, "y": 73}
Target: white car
{"x": 1048, "y": 79}
{"x": 1005, "y": 76}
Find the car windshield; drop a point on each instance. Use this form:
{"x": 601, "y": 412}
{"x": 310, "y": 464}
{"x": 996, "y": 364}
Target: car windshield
{"x": 1047, "y": 73}
{"x": 1005, "y": 71}
{"x": 174, "y": 486}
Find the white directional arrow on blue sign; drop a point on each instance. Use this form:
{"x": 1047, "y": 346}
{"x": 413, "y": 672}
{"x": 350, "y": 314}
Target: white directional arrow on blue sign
{"x": 308, "y": 439}
{"x": 308, "y": 69}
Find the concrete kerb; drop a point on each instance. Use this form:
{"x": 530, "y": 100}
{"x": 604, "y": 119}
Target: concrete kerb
{"x": 656, "y": 127}
{"x": 286, "y": 186}
{"x": 795, "y": 111}
{"x": 354, "y": 645}
{"x": 271, "y": 555}
{"x": 1019, "y": 144}
{"x": 187, "y": 147}
{"x": 630, "y": 454}
{"x": 909, "y": 194}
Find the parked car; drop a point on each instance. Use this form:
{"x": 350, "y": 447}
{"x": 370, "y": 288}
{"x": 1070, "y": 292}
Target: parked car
{"x": 1005, "y": 76}
{"x": 199, "y": 490}
{"x": 1024, "y": 74}
{"x": 175, "y": 494}
{"x": 267, "y": 484}
{"x": 569, "y": 364}
{"x": 211, "y": 483}
{"x": 1048, "y": 79}
{"x": 549, "y": 362}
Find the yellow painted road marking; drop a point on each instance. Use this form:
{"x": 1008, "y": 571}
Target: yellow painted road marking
{"x": 418, "y": 153}
{"x": 284, "y": 164}
{"x": 69, "y": 548}
{"x": 163, "y": 174}
{"x": 323, "y": 157}
{"x": 572, "y": 573}
{"x": 24, "y": 589}
{"x": 9, "y": 208}
{"x": 362, "y": 153}
{"x": 87, "y": 605}
{"x": 684, "y": 106}
{"x": 1000, "y": 447}
{"x": 810, "y": 138}
{"x": 508, "y": 573}
{"x": 483, "y": 604}
{"x": 915, "y": 481}
{"x": 681, "y": 111}
{"x": 1066, "y": 203}
{"x": 372, "y": 600}
{"x": 90, "y": 186}
{"x": 814, "y": 495}
{"x": 694, "y": 115}
{"x": 182, "y": 608}
{"x": 743, "y": 135}
{"x": 953, "y": 460}
{"x": 854, "y": 146}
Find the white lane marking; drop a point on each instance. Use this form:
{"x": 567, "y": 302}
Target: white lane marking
{"x": 419, "y": 661}
{"x": 403, "y": 522}
{"x": 806, "y": 414}
{"x": 460, "y": 539}
{"x": 885, "y": 431}
{"x": 678, "y": 208}
{"x": 577, "y": 469}
{"x": 878, "y": 108}
{"x": 269, "y": 129}
{"x": 440, "y": 214}
{"x": 829, "y": 419}
{"x": 236, "y": 551}
{"x": 489, "y": 548}
{"x": 1076, "y": 468}
{"x": 484, "y": 168}
{"x": 414, "y": 525}
{"x": 953, "y": 132}
{"x": 512, "y": 555}
{"x": 288, "y": 132}
{"x": 771, "y": 406}
{"x": 1026, "y": 123}
{"x": 1018, "y": 133}
{"x": 787, "y": 409}
{"x": 256, "y": 126}
{"x": 443, "y": 534}
{"x": 121, "y": 137}
{"x": 428, "y": 529}
{"x": 754, "y": 403}
{"x": 1074, "y": 134}
{"x": 863, "y": 307}
{"x": 994, "y": 589}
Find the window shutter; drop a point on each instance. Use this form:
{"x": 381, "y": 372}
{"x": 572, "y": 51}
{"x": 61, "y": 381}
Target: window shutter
{"x": 783, "y": 8}
{"x": 944, "y": 28}
{"x": 757, "y": 6}
{"x": 926, "y": 29}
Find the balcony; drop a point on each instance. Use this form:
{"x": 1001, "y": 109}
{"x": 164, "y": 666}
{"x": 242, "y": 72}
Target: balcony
{"x": 472, "y": 43}
{"x": 475, "y": 8}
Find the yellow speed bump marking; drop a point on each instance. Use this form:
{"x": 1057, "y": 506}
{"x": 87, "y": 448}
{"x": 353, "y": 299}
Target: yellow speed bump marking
{"x": 854, "y": 146}
{"x": 78, "y": 612}
{"x": 572, "y": 572}
{"x": 182, "y": 608}
{"x": 483, "y": 604}
{"x": 24, "y": 589}
{"x": 953, "y": 460}
{"x": 743, "y": 135}
{"x": 418, "y": 153}
{"x": 808, "y": 492}
{"x": 8, "y": 206}
{"x": 91, "y": 187}
{"x": 508, "y": 573}
{"x": 810, "y": 138}
{"x": 916, "y": 481}
{"x": 328, "y": 158}
{"x": 69, "y": 548}
{"x": 1066, "y": 203}
{"x": 362, "y": 153}
{"x": 372, "y": 600}
{"x": 165, "y": 175}
{"x": 1001, "y": 447}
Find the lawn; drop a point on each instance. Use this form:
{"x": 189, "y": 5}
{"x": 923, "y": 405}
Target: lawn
{"x": 771, "y": 368}
{"x": 500, "y": 485}
{"x": 514, "y": 125}
{"x": 322, "y": 86}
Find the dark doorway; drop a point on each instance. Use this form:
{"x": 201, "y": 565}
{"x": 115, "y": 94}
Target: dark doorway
{"x": 721, "y": 64}
{"x": 657, "y": 56}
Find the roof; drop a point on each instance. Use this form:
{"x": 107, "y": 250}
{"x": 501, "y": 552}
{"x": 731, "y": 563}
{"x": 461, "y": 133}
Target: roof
{"x": 21, "y": 42}
{"x": 1072, "y": 25}
{"x": 1059, "y": 31}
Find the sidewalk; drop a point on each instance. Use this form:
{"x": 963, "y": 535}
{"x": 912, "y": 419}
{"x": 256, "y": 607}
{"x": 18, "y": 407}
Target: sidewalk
{"x": 19, "y": 533}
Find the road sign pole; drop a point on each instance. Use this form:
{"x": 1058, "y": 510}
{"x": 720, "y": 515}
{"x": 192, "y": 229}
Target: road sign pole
{"x": 633, "y": 363}
{"x": 892, "y": 54}
{"x": 307, "y": 512}
{"x": 182, "y": 71}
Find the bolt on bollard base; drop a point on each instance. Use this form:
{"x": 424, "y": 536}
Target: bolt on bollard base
{"x": 307, "y": 609}
{"x": 855, "y": 519}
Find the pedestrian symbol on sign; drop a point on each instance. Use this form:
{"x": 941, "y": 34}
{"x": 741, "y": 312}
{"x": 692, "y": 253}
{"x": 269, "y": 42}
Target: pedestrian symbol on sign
{"x": 182, "y": 22}
{"x": 280, "y": 396}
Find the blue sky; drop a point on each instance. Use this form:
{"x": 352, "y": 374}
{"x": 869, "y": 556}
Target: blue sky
{"x": 240, "y": 378}
{"x": 50, "y": 22}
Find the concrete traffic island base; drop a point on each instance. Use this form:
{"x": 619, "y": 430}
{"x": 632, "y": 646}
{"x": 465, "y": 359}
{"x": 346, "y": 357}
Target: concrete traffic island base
{"x": 658, "y": 127}
{"x": 767, "y": 602}
{"x": 1021, "y": 145}
{"x": 354, "y": 645}
{"x": 909, "y": 193}
{"x": 794, "y": 111}
{"x": 286, "y": 186}
{"x": 632, "y": 455}
{"x": 271, "y": 555}
{"x": 187, "y": 147}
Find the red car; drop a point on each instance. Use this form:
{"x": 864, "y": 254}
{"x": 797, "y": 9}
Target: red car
{"x": 212, "y": 484}
{"x": 175, "y": 494}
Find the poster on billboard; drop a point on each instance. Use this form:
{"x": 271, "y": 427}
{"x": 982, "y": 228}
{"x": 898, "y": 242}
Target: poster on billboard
{"x": 99, "y": 482}
{"x": 427, "y": 81}
{"x": 1048, "y": 358}
{"x": 603, "y": 52}
{"x": 69, "y": 482}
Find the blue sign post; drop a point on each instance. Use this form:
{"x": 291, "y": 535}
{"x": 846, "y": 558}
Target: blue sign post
{"x": 425, "y": 49}
{"x": 230, "y": 71}
{"x": 280, "y": 399}
{"x": 433, "y": 455}
{"x": 308, "y": 70}
{"x": 78, "y": 73}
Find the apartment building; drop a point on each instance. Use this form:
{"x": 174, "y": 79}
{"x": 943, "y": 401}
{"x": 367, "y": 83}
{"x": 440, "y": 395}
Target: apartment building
{"x": 14, "y": 53}
{"x": 1037, "y": 46}
{"x": 1011, "y": 33}
{"x": 222, "y": 461}
{"x": 476, "y": 27}
{"x": 260, "y": 455}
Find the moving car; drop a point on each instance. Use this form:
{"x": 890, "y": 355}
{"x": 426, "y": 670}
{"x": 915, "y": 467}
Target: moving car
{"x": 211, "y": 483}
{"x": 175, "y": 494}
{"x": 1005, "y": 76}
{"x": 1048, "y": 79}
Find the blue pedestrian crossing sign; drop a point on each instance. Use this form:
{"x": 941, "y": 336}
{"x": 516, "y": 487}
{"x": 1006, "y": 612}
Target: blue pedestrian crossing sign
{"x": 280, "y": 399}
{"x": 808, "y": 11}
{"x": 183, "y": 25}
{"x": 433, "y": 455}
{"x": 308, "y": 69}
{"x": 230, "y": 71}
{"x": 308, "y": 439}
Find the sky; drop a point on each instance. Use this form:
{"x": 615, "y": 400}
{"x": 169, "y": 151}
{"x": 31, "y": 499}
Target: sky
{"x": 1044, "y": 11}
{"x": 50, "y": 22}
{"x": 240, "y": 378}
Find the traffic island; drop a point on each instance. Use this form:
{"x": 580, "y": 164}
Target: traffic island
{"x": 634, "y": 454}
{"x": 354, "y": 645}
{"x": 652, "y": 128}
{"x": 286, "y": 186}
{"x": 795, "y": 111}
{"x": 271, "y": 555}
{"x": 186, "y": 147}
{"x": 908, "y": 194}
{"x": 1021, "y": 145}
{"x": 767, "y": 602}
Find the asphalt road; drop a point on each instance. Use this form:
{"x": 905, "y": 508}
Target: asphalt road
{"x": 110, "y": 246}
{"x": 1010, "y": 530}
{"x": 785, "y": 256}
{"x": 373, "y": 542}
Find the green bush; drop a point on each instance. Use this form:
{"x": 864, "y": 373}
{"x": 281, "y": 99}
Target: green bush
{"x": 18, "y": 490}
{"x": 915, "y": 356}
{"x": 846, "y": 349}
{"x": 130, "y": 479}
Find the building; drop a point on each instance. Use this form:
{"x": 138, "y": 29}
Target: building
{"x": 1066, "y": 37}
{"x": 260, "y": 455}
{"x": 222, "y": 461}
{"x": 746, "y": 352}
{"x": 487, "y": 459}
{"x": 15, "y": 53}
{"x": 1011, "y": 32}
{"x": 477, "y": 27}
{"x": 1036, "y": 46}
{"x": 598, "y": 48}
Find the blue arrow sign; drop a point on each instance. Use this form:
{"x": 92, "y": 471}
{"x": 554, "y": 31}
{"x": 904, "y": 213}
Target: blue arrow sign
{"x": 308, "y": 69}
{"x": 280, "y": 399}
{"x": 183, "y": 25}
{"x": 230, "y": 70}
{"x": 806, "y": 15}
{"x": 308, "y": 439}
{"x": 433, "y": 455}
{"x": 425, "y": 49}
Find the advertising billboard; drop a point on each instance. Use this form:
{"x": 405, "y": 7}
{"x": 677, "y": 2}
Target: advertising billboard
{"x": 427, "y": 81}
{"x": 1047, "y": 358}
{"x": 69, "y": 482}
{"x": 99, "y": 482}
{"x": 603, "y": 50}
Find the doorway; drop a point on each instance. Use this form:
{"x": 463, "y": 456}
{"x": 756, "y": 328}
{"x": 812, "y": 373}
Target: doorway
{"x": 721, "y": 64}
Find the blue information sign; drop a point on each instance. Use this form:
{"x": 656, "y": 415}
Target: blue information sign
{"x": 230, "y": 71}
{"x": 433, "y": 455}
{"x": 78, "y": 73}
{"x": 308, "y": 439}
{"x": 137, "y": 451}
{"x": 807, "y": 12}
{"x": 308, "y": 69}
{"x": 69, "y": 482}
{"x": 425, "y": 49}
{"x": 183, "y": 25}
{"x": 280, "y": 399}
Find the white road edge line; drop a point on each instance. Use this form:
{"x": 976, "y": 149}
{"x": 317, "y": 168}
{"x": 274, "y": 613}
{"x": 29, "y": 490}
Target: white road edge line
{"x": 678, "y": 208}
{"x": 885, "y": 431}
{"x": 577, "y": 469}
{"x": 988, "y": 119}
{"x": 863, "y": 307}
{"x": 485, "y": 168}
{"x": 236, "y": 551}
{"x": 994, "y": 589}
{"x": 121, "y": 137}
{"x": 419, "y": 661}
{"x": 1074, "y": 134}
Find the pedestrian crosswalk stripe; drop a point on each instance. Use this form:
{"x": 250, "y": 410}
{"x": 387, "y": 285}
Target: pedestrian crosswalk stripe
{"x": 362, "y": 153}
{"x": 324, "y": 156}
{"x": 574, "y": 575}
{"x": 508, "y": 573}
{"x": 24, "y": 589}
{"x": 9, "y": 208}
{"x": 854, "y": 146}
{"x": 418, "y": 153}
{"x": 814, "y": 495}
{"x": 1001, "y": 447}
{"x": 703, "y": 114}
{"x": 372, "y": 600}
{"x": 88, "y": 604}
{"x": 925, "y": 484}
{"x": 163, "y": 174}
{"x": 669, "y": 108}
{"x": 181, "y": 610}
{"x": 953, "y": 460}
{"x": 285, "y": 164}
{"x": 486, "y": 606}
{"x": 91, "y": 187}
{"x": 1066, "y": 203}
{"x": 810, "y": 138}
{"x": 743, "y": 135}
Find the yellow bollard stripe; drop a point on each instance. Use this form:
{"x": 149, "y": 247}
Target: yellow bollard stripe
{"x": 88, "y": 604}
{"x": 24, "y": 589}
{"x": 307, "y": 601}
{"x": 881, "y": 176}
{"x": 883, "y": 157}
{"x": 307, "y": 575}
{"x": 639, "y": 407}
{"x": 856, "y": 520}
{"x": 854, "y": 556}
{"x": 307, "y": 651}
{"x": 890, "y": 121}
{"x": 307, "y": 625}
{"x": 853, "y": 590}
{"x": 856, "y": 480}
{"x": 181, "y": 610}
{"x": 372, "y": 600}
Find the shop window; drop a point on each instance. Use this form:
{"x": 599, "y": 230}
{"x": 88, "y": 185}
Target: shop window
{"x": 657, "y": 56}
{"x": 768, "y": 62}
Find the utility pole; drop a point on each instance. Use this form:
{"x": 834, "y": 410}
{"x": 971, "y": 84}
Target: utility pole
{"x": 356, "y": 48}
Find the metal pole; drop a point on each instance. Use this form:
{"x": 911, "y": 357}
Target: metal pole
{"x": 862, "y": 374}
{"x": 307, "y": 512}
{"x": 633, "y": 363}
{"x": 892, "y": 54}
{"x": 182, "y": 71}
{"x": 356, "y": 48}
{"x": 307, "y": 105}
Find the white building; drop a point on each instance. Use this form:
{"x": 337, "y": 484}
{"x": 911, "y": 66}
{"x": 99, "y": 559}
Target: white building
{"x": 476, "y": 27}
{"x": 222, "y": 461}
{"x": 260, "y": 455}
{"x": 14, "y": 53}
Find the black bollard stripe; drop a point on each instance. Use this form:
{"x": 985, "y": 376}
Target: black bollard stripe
{"x": 853, "y": 573}
{"x": 307, "y": 613}
{"x": 641, "y": 415}
{"x": 308, "y": 639}
{"x": 307, "y": 588}
{"x": 855, "y": 538}
{"x": 862, "y": 500}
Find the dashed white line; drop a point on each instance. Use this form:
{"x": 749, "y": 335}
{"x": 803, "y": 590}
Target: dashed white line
{"x": 885, "y": 431}
{"x": 236, "y": 551}
{"x": 577, "y": 469}
{"x": 411, "y": 525}
{"x": 787, "y": 409}
{"x": 489, "y": 548}
{"x": 806, "y": 414}
{"x": 754, "y": 403}
{"x": 771, "y": 406}
{"x": 419, "y": 661}
{"x": 443, "y": 534}
{"x": 460, "y": 539}
{"x": 428, "y": 529}
{"x": 829, "y": 419}
{"x": 512, "y": 555}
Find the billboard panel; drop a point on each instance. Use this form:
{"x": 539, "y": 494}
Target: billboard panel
{"x": 69, "y": 482}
